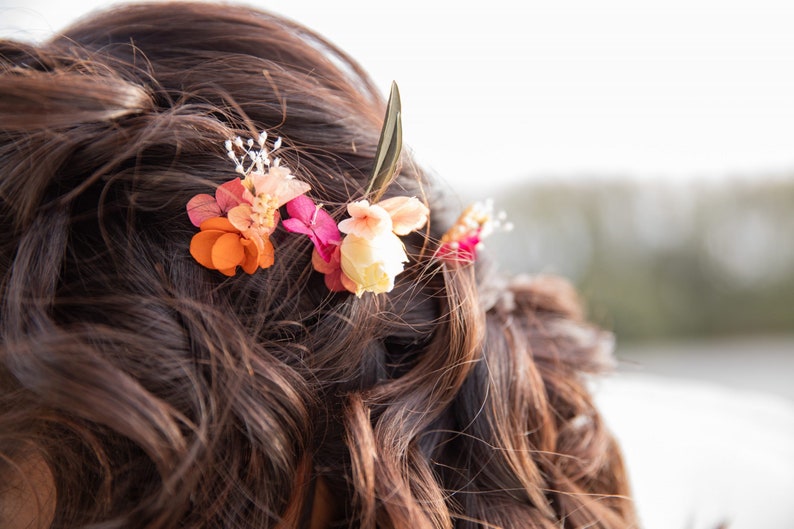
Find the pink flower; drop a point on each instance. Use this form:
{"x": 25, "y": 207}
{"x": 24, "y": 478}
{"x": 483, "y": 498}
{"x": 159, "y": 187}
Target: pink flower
{"x": 313, "y": 221}
{"x": 366, "y": 220}
{"x": 227, "y": 196}
{"x": 407, "y": 214}
{"x": 463, "y": 250}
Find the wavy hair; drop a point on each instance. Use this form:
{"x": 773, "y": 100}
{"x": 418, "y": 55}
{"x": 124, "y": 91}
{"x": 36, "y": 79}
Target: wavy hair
{"x": 139, "y": 389}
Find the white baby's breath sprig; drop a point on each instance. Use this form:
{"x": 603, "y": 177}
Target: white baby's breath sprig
{"x": 248, "y": 158}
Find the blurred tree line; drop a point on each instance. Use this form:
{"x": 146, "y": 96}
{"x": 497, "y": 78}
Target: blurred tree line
{"x": 661, "y": 259}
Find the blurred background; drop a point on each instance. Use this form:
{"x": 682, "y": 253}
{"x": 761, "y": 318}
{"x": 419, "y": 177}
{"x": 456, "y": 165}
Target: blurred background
{"x": 645, "y": 150}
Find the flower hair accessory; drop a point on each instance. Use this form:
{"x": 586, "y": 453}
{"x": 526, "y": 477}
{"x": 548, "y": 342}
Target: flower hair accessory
{"x": 236, "y": 223}
{"x": 371, "y": 254}
{"x": 362, "y": 253}
{"x": 463, "y": 240}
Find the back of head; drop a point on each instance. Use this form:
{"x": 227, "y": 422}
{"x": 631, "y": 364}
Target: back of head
{"x": 150, "y": 391}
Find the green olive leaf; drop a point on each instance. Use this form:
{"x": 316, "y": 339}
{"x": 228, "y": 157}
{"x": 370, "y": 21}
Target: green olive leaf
{"x": 390, "y": 143}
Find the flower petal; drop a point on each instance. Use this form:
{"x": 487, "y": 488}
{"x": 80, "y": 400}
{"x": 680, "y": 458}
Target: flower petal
{"x": 201, "y": 246}
{"x": 333, "y": 281}
{"x": 202, "y": 207}
{"x": 240, "y": 217}
{"x": 407, "y": 213}
{"x": 266, "y": 255}
{"x": 326, "y": 229}
{"x": 291, "y": 189}
{"x": 228, "y": 251}
{"x": 279, "y": 184}
{"x": 367, "y": 221}
{"x": 348, "y": 283}
{"x": 296, "y": 225}
{"x": 251, "y": 261}
{"x": 303, "y": 208}
{"x": 372, "y": 264}
{"x": 324, "y": 266}
{"x": 230, "y": 194}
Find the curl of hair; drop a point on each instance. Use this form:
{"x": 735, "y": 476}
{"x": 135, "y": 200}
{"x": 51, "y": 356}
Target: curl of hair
{"x": 156, "y": 393}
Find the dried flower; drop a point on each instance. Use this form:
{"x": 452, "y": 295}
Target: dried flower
{"x": 237, "y": 222}
{"x": 312, "y": 220}
{"x": 220, "y": 246}
{"x": 372, "y": 264}
{"x": 463, "y": 240}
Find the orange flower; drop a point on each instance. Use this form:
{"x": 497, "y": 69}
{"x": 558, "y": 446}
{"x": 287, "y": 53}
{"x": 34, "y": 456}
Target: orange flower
{"x": 220, "y": 246}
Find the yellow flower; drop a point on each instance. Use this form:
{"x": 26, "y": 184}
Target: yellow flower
{"x": 373, "y": 263}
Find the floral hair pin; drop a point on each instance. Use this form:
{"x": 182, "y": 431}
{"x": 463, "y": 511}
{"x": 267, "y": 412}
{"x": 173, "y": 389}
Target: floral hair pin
{"x": 463, "y": 240}
{"x": 235, "y": 225}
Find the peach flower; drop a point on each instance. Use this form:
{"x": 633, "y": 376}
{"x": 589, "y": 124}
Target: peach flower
{"x": 366, "y": 220}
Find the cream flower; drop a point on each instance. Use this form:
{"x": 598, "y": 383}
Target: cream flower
{"x": 372, "y": 263}
{"x": 367, "y": 220}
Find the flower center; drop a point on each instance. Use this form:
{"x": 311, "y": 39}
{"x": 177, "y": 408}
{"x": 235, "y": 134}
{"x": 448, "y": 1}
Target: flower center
{"x": 263, "y": 212}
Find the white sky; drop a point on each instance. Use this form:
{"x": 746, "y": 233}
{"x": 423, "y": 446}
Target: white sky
{"x": 502, "y": 89}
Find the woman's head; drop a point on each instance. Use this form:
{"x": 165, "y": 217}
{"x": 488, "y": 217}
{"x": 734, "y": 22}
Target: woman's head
{"x": 159, "y": 393}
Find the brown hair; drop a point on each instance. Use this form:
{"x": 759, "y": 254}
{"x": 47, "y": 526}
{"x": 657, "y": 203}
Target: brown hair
{"x": 160, "y": 394}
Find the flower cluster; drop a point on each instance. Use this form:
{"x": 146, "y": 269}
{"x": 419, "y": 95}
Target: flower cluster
{"x": 236, "y": 223}
{"x": 371, "y": 253}
{"x": 461, "y": 242}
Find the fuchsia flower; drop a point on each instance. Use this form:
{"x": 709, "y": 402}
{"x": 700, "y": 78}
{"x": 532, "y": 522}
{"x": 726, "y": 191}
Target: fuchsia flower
{"x": 312, "y": 220}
